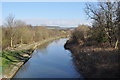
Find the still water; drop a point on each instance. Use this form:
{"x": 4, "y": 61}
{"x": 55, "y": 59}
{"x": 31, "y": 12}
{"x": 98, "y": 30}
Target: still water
{"x": 49, "y": 61}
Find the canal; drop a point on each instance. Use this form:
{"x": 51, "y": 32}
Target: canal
{"x": 50, "y": 60}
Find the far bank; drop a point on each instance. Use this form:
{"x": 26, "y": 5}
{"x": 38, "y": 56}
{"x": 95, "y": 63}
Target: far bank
{"x": 95, "y": 61}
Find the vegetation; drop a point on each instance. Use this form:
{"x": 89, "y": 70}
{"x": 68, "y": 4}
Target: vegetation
{"x": 10, "y": 57}
{"x": 0, "y": 38}
{"x": 19, "y": 39}
{"x": 16, "y": 32}
{"x": 81, "y": 33}
{"x": 96, "y": 48}
{"x": 106, "y": 18}
{"x": 105, "y": 27}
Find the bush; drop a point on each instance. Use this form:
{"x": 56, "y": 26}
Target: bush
{"x": 98, "y": 35}
{"x": 81, "y": 33}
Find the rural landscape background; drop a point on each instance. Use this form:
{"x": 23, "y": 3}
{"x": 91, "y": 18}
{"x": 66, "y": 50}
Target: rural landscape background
{"x": 87, "y": 34}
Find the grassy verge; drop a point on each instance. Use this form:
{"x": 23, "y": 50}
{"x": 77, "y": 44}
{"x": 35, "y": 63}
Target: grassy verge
{"x": 13, "y": 59}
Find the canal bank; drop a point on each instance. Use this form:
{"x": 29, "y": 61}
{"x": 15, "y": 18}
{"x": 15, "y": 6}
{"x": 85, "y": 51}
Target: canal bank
{"x": 13, "y": 69}
{"x": 95, "y": 61}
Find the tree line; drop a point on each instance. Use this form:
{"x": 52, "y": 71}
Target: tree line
{"x": 16, "y": 32}
{"x": 105, "y": 27}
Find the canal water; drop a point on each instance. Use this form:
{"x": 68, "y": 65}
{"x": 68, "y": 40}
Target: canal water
{"x": 50, "y": 60}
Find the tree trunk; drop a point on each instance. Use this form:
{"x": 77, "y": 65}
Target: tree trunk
{"x": 109, "y": 37}
{"x": 21, "y": 40}
{"x": 11, "y": 42}
{"x": 119, "y": 44}
{"x": 119, "y": 38}
{"x": 116, "y": 44}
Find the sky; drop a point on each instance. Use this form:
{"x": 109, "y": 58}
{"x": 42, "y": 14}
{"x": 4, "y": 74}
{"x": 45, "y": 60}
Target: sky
{"x": 64, "y": 14}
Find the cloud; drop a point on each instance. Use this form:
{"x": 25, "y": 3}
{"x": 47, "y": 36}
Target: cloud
{"x": 57, "y": 22}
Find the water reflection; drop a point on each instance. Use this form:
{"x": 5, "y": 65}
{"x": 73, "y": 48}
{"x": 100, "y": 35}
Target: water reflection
{"x": 49, "y": 61}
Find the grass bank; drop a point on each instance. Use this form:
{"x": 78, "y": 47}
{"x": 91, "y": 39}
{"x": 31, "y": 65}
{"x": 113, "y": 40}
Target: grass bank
{"x": 13, "y": 59}
{"x": 95, "y": 62}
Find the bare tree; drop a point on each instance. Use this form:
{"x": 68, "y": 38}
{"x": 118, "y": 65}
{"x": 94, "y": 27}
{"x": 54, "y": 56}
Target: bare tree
{"x": 104, "y": 15}
{"x": 118, "y": 24}
{"x": 10, "y": 23}
{"x": 21, "y": 29}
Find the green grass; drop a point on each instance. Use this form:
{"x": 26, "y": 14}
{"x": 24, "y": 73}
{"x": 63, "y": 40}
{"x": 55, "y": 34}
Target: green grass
{"x": 12, "y": 57}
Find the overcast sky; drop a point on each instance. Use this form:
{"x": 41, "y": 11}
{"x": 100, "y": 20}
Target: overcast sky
{"x": 64, "y": 14}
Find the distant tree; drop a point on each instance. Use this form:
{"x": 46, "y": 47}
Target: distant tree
{"x": 81, "y": 33}
{"x": 10, "y": 23}
{"x": 20, "y": 29}
{"x": 17, "y": 32}
{"x": 28, "y": 34}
